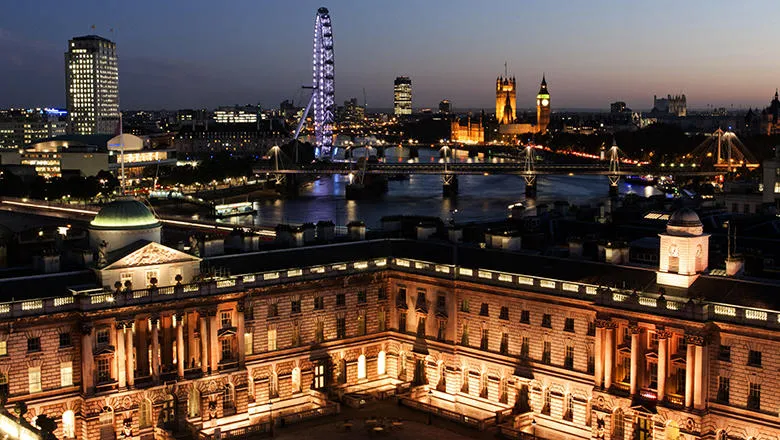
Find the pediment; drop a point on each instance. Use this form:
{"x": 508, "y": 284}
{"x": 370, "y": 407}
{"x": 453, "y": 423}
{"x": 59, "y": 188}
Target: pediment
{"x": 151, "y": 254}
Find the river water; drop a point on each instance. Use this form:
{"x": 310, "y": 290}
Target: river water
{"x": 480, "y": 198}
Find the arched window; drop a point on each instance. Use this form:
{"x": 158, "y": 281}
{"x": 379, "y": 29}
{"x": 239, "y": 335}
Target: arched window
{"x": 361, "y": 367}
{"x": 193, "y": 403}
{"x": 672, "y": 430}
{"x": 617, "y": 425}
{"x": 228, "y": 401}
{"x": 381, "y": 367}
{"x": 296, "y": 380}
{"x": 145, "y": 414}
{"x": 107, "y": 423}
{"x": 167, "y": 417}
{"x": 68, "y": 424}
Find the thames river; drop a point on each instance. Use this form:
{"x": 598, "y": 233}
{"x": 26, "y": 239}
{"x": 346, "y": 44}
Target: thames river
{"x": 481, "y": 198}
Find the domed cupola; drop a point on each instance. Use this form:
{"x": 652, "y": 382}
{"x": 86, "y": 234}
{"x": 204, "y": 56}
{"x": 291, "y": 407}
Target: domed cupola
{"x": 684, "y": 250}
{"x": 123, "y": 222}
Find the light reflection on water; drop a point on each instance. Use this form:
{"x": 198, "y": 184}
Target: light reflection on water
{"x": 480, "y": 198}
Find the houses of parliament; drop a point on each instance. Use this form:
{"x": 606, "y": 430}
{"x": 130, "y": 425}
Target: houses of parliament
{"x": 506, "y": 108}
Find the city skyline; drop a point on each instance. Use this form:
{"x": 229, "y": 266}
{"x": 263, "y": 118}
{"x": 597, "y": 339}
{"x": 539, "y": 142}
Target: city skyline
{"x": 183, "y": 57}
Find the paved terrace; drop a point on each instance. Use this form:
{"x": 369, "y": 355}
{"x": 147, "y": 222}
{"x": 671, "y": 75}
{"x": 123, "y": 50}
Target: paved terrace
{"x": 622, "y": 287}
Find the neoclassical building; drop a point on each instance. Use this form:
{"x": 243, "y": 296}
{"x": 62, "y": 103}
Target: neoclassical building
{"x": 153, "y": 342}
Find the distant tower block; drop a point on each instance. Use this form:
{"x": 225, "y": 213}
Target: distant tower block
{"x": 543, "y": 107}
{"x": 506, "y": 99}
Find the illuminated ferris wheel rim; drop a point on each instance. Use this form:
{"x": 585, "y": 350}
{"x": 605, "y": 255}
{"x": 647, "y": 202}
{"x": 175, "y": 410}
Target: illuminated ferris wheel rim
{"x": 323, "y": 74}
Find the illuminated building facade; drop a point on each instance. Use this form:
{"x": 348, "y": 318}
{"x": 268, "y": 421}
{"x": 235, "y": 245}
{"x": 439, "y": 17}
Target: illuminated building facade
{"x": 676, "y": 105}
{"x": 21, "y": 127}
{"x": 164, "y": 346}
{"x": 471, "y": 133}
{"x": 506, "y": 100}
{"x": 236, "y": 115}
{"x": 92, "y": 85}
{"x": 542, "y": 107}
{"x": 402, "y": 96}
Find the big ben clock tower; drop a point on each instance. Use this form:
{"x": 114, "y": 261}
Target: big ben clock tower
{"x": 543, "y": 108}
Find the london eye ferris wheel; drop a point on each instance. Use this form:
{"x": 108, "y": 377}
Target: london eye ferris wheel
{"x": 323, "y": 96}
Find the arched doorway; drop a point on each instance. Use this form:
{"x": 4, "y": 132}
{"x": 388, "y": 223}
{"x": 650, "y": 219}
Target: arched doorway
{"x": 228, "y": 401}
{"x": 672, "y": 430}
{"x": 617, "y": 425}
{"x": 193, "y": 403}
{"x": 361, "y": 367}
{"x": 68, "y": 424}
{"x": 381, "y": 367}
{"x": 167, "y": 418}
{"x": 296, "y": 380}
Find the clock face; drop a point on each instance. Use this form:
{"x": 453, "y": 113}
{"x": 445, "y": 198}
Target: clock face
{"x": 545, "y": 102}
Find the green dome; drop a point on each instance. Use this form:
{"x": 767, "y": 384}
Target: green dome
{"x": 124, "y": 214}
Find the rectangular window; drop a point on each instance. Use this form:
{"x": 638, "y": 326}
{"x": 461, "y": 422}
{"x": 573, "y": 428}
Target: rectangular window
{"x": 295, "y": 306}
{"x": 319, "y": 331}
{"x": 402, "y": 322}
{"x": 319, "y": 303}
{"x": 341, "y": 328}
{"x": 65, "y": 340}
{"x": 296, "y": 335}
{"x": 464, "y": 336}
{"x": 341, "y": 300}
{"x": 441, "y": 334}
{"x": 464, "y": 305}
{"x": 441, "y": 302}
{"x": 102, "y": 337}
{"x": 421, "y": 326}
{"x": 381, "y": 294}
{"x": 591, "y": 328}
{"x": 626, "y": 366}
{"x": 400, "y": 300}
{"x": 34, "y": 344}
{"x": 247, "y": 343}
{"x": 484, "y": 310}
{"x": 723, "y": 389}
{"x": 271, "y": 339}
{"x": 273, "y": 310}
{"x": 226, "y": 319}
{"x": 525, "y": 347}
{"x": 653, "y": 343}
{"x": 653, "y": 375}
{"x": 568, "y": 361}
{"x": 381, "y": 318}
{"x": 724, "y": 353}
{"x": 3, "y": 348}
{"x": 504, "y": 313}
{"x": 504, "y": 348}
{"x": 546, "y": 357}
{"x": 547, "y": 320}
{"x": 34, "y": 379}
{"x": 680, "y": 381}
{"x": 361, "y": 324}
{"x": 362, "y": 298}
{"x": 483, "y": 344}
{"x": 66, "y": 374}
{"x": 754, "y": 396}
{"x": 568, "y": 325}
{"x": 754, "y": 358}
{"x": 591, "y": 362}
{"x": 226, "y": 351}
{"x": 682, "y": 344}
{"x": 103, "y": 370}
{"x": 525, "y": 316}
{"x": 151, "y": 275}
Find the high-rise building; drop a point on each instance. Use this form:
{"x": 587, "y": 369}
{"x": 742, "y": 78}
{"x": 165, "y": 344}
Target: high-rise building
{"x": 506, "y": 100}
{"x": 445, "y": 106}
{"x": 542, "y": 107}
{"x": 92, "y": 85}
{"x": 402, "y": 96}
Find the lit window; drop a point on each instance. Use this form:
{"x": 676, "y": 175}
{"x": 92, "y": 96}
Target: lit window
{"x": 66, "y": 374}
{"x": 34, "y": 379}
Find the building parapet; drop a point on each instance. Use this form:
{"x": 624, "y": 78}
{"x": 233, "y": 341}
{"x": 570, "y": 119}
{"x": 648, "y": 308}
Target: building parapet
{"x": 658, "y": 304}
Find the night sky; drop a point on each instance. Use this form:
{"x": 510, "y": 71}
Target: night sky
{"x": 205, "y": 53}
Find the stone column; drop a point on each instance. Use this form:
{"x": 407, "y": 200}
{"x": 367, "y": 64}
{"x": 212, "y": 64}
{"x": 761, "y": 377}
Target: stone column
{"x": 699, "y": 382}
{"x": 155, "y": 347}
{"x": 213, "y": 341}
{"x": 689, "y": 366}
{"x": 663, "y": 344}
{"x": 609, "y": 354}
{"x": 240, "y": 333}
{"x": 204, "y": 341}
{"x": 635, "y": 356}
{"x": 598, "y": 355}
{"x": 87, "y": 359}
{"x": 119, "y": 358}
{"x": 193, "y": 358}
{"x": 129, "y": 367}
{"x": 180, "y": 361}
